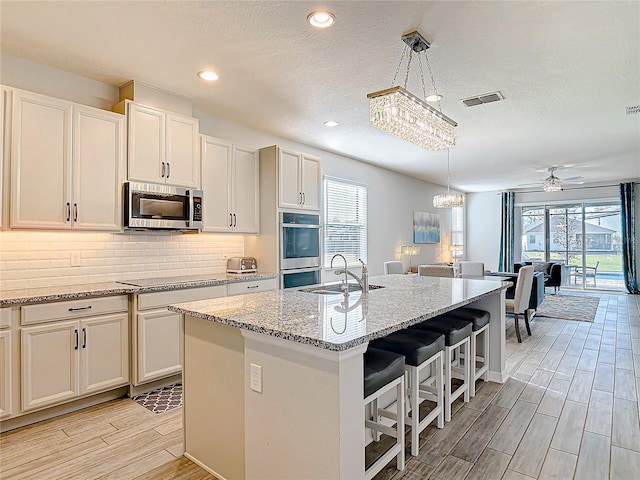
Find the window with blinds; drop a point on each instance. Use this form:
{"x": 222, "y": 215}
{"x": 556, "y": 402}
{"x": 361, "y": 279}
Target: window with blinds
{"x": 345, "y": 220}
{"x": 457, "y": 232}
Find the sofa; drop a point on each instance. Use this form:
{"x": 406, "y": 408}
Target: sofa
{"x": 553, "y": 272}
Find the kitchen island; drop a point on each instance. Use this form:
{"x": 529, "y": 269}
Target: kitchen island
{"x": 273, "y": 381}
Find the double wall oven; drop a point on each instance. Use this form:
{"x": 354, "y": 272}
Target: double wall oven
{"x": 300, "y": 247}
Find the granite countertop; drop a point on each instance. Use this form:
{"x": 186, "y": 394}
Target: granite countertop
{"x": 335, "y": 323}
{"x": 70, "y": 292}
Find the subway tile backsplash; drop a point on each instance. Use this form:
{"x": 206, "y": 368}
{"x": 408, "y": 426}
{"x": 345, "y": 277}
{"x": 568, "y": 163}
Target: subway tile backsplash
{"x": 41, "y": 259}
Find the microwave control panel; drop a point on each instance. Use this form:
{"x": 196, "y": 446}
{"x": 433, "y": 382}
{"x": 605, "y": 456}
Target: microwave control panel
{"x": 197, "y": 209}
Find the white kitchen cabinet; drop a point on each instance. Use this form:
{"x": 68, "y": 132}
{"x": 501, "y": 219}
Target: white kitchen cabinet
{"x": 158, "y": 331}
{"x": 162, "y": 146}
{"x": 62, "y": 360}
{"x": 254, "y": 286}
{"x": 66, "y": 165}
{"x": 230, "y": 176}
{"x": 6, "y": 371}
{"x": 298, "y": 180}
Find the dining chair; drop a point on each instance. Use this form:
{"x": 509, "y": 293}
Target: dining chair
{"x": 393, "y": 267}
{"x": 436, "y": 271}
{"x": 471, "y": 268}
{"x": 519, "y": 304}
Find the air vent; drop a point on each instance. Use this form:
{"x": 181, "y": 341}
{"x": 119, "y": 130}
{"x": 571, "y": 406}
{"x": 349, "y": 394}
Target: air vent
{"x": 481, "y": 99}
{"x": 635, "y": 109}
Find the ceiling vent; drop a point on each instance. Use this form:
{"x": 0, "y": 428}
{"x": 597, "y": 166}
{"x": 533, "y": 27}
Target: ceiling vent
{"x": 481, "y": 99}
{"x": 633, "y": 110}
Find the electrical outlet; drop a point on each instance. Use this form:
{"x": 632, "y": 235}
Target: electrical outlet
{"x": 76, "y": 259}
{"x": 225, "y": 255}
{"x": 256, "y": 378}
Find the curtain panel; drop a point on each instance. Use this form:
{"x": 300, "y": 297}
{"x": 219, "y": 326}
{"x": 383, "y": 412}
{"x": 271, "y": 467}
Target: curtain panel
{"x": 629, "y": 243}
{"x": 507, "y": 234}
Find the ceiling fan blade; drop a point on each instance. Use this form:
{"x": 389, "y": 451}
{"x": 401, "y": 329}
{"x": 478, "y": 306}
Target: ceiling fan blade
{"x": 578, "y": 178}
{"x": 572, "y": 182}
{"x": 534, "y": 184}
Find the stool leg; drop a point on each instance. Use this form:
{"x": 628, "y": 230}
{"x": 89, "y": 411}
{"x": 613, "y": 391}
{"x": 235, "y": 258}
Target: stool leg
{"x": 447, "y": 384}
{"x": 376, "y": 419}
{"x": 485, "y": 353}
{"x": 467, "y": 370}
{"x": 415, "y": 411}
{"x": 400, "y": 395}
{"x": 439, "y": 385}
{"x": 471, "y": 360}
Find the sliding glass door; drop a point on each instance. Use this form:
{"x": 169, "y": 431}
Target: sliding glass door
{"x": 584, "y": 237}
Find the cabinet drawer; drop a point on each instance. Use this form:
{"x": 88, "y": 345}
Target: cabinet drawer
{"x": 162, "y": 299}
{"x": 48, "y": 312}
{"x": 5, "y": 317}
{"x": 251, "y": 287}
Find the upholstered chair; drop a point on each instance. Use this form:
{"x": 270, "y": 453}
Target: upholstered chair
{"x": 519, "y": 304}
{"x": 393, "y": 267}
{"x": 436, "y": 271}
{"x": 471, "y": 268}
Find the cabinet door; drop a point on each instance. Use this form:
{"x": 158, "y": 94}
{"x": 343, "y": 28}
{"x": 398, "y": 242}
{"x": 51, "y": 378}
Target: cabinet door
{"x": 40, "y": 162}
{"x": 104, "y": 353}
{"x": 98, "y": 154}
{"x": 49, "y": 364}
{"x": 288, "y": 179}
{"x": 159, "y": 345}
{"x": 146, "y": 144}
{"x": 245, "y": 190}
{"x": 310, "y": 182}
{"x": 216, "y": 179}
{"x": 183, "y": 162}
{"x": 5, "y": 373}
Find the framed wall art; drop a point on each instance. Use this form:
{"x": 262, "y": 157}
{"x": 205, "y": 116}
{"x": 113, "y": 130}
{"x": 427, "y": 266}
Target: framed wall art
{"x": 426, "y": 227}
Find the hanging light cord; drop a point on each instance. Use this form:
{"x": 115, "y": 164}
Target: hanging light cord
{"x": 433, "y": 82}
{"x": 404, "y": 52}
{"x": 448, "y": 172}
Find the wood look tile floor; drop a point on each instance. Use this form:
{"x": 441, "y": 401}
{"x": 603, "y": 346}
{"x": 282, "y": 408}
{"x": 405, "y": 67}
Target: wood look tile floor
{"x": 569, "y": 410}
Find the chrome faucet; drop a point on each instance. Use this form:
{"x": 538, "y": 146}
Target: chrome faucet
{"x": 344, "y": 285}
{"x": 364, "y": 283}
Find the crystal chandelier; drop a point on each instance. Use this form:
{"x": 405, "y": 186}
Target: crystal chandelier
{"x": 448, "y": 200}
{"x": 552, "y": 183}
{"x": 398, "y": 112}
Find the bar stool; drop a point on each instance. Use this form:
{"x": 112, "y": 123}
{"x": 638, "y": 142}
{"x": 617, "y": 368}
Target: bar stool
{"x": 480, "y": 321}
{"x": 383, "y": 371}
{"x": 456, "y": 338}
{"x": 422, "y": 350}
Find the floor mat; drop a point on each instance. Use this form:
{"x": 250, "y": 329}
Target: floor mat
{"x": 569, "y": 307}
{"x": 161, "y": 399}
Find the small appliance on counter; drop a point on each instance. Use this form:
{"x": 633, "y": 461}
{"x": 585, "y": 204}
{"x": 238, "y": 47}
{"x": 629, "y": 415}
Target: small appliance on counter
{"x": 242, "y": 265}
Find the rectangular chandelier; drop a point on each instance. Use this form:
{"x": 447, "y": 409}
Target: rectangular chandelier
{"x": 398, "y": 112}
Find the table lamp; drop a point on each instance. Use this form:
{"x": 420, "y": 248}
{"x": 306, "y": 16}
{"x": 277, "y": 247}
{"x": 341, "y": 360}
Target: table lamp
{"x": 410, "y": 250}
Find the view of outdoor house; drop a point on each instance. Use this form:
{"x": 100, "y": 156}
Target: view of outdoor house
{"x": 585, "y": 238}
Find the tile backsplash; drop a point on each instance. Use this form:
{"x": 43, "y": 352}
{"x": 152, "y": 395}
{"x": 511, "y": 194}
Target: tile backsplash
{"x": 41, "y": 259}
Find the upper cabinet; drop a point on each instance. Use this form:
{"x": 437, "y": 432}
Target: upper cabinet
{"x": 162, "y": 146}
{"x": 298, "y": 180}
{"x": 66, "y": 165}
{"x": 230, "y": 185}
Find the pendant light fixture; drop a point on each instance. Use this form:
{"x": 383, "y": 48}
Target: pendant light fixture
{"x": 448, "y": 200}
{"x": 403, "y": 114}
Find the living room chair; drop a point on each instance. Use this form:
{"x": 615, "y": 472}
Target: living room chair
{"x": 436, "y": 271}
{"x": 471, "y": 268}
{"x": 393, "y": 267}
{"x": 519, "y": 304}
{"x": 587, "y": 272}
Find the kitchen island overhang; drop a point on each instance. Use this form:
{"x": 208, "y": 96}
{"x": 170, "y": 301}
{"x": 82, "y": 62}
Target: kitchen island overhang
{"x": 307, "y": 420}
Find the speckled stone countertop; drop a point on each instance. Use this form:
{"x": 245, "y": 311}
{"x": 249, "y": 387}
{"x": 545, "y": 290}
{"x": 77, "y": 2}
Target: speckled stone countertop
{"x": 333, "y": 323}
{"x": 70, "y": 292}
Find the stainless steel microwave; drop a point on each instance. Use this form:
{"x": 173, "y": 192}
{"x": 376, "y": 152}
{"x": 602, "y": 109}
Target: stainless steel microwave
{"x": 152, "y": 206}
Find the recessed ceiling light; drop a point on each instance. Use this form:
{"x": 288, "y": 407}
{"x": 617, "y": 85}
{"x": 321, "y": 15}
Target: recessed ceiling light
{"x": 321, "y": 19}
{"x": 330, "y": 123}
{"x": 208, "y": 75}
{"x": 434, "y": 97}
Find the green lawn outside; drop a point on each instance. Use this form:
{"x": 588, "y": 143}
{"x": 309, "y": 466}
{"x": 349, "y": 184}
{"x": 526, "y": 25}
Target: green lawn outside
{"x": 608, "y": 262}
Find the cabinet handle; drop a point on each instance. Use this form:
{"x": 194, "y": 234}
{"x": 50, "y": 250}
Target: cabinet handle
{"x": 88, "y": 307}
{"x": 299, "y": 198}
{"x": 304, "y": 198}
{"x": 168, "y": 169}
{"x": 75, "y": 347}
{"x": 68, "y": 211}
{"x": 231, "y": 219}
{"x": 84, "y": 338}
{"x": 75, "y": 212}
{"x": 235, "y": 220}
{"x": 162, "y": 170}
{"x": 253, "y": 286}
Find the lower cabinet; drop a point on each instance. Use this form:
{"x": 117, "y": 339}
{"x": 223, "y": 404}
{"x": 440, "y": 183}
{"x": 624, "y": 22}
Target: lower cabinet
{"x": 159, "y": 344}
{"x": 65, "y": 360}
{"x": 6, "y": 343}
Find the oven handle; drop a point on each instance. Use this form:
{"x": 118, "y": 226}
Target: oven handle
{"x": 299, "y": 225}
{"x": 300, "y": 270}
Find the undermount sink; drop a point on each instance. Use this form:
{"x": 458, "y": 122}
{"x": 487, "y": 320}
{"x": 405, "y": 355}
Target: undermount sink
{"x": 336, "y": 288}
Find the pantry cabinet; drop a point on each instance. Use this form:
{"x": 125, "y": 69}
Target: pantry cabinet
{"x": 162, "y": 146}
{"x": 66, "y": 165}
{"x": 230, "y": 177}
{"x": 67, "y": 356}
{"x": 298, "y": 180}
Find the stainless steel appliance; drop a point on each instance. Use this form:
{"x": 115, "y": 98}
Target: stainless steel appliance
{"x": 152, "y": 206}
{"x": 242, "y": 265}
{"x": 299, "y": 277}
{"x": 299, "y": 240}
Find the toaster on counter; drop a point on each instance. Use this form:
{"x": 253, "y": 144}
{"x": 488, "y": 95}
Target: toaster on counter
{"x": 242, "y": 265}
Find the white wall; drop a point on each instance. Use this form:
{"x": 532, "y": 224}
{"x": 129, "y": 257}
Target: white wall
{"x": 392, "y": 197}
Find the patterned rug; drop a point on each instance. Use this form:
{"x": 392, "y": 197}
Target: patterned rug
{"x": 161, "y": 399}
{"x": 569, "y": 307}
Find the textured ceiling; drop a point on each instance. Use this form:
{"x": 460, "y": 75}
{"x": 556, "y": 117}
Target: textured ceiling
{"x": 567, "y": 71}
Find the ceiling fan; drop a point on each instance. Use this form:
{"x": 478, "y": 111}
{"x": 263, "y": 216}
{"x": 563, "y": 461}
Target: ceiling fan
{"x": 553, "y": 183}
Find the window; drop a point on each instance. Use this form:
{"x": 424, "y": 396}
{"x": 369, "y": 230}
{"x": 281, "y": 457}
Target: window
{"x": 457, "y": 232}
{"x": 345, "y": 224}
